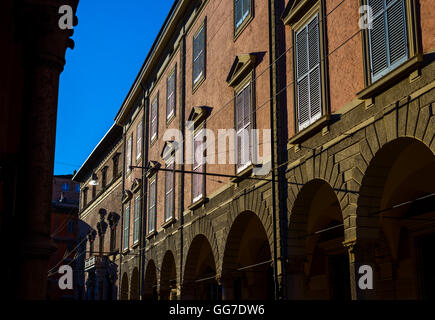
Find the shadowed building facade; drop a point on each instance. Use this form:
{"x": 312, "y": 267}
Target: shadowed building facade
{"x": 31, "y": 60}
{"x": 350, "y": 111}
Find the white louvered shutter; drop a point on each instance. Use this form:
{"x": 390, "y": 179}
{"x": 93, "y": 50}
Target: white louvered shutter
{"x": 197, "y": 179}
{"x": 243, "y": 126}
{"x": 169, "y": 189}
{"x": 309, "y": 95}
{"x": 387, "y": 39}
{"x": 154, "y": 107}
{"x": 126, "y": 227}
{"x": 152, "y": 206}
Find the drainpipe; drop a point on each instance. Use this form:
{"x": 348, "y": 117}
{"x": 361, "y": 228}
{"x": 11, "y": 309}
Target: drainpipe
{"x": 272, "y": 83}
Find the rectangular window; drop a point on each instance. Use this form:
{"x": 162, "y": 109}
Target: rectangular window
{"x": 198, "y": 55}
{"x": 152, "y": 205}
{"x": 170, "y": 96}
{"x": 85, "y": 197}
{"x": 154, "y": 113}
{"x": 242, "y": 9}
{"x": 388, "y": 37}
{"x": 77, "y": 188}
{"x": 129, "y": 153}
{"x": 65, "y": 187}
{"x": 104, "y": 177}
{"x": 308, "y": 73}
{"x": 115, "y": 166}
{"x": 126, "y": 235}
{"x": 243, "y": 127}
{"x": 139, "y": 140}
{"x": 169, "y": 191}
{"x": 112, "y": 238}
{"x": 198, "y": 166}
{"x": 137, "y": 208}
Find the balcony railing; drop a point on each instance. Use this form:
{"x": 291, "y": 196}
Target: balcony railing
{"x": 95, "y": 262}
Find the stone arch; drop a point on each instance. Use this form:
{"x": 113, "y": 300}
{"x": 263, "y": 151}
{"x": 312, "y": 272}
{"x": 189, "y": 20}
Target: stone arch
{"x": 247, "y": 271}
{"x": 134, "y": 284}
{"x": 124, "y": 287}
{"x": 399, "y": 172}
{"x": 168, "y": 276}
{"x": 150, "y": 281}
{"x": 201, "y": 226}
{"x": 199, "y": 279}
{"x": 318, "y": 261}
{"x": 252, "y": 202}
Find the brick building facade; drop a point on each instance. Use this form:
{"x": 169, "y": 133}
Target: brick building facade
{"x": 350, "y": 111}
{"x": 101, "y": 184}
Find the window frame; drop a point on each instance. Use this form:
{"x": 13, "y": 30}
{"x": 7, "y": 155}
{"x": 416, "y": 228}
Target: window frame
{"x": 171, "y": 161}
{"x": 153, "y": 137}
{"x": 126, "y": 229}
{"x": 139, "y": 140}
{"x": 203, "y": 181}
{"x": 129, "y": 154}
{"x": 136, "y": 220}
{"x": 152, "y": 229}
{"x": 67, "y": 187}
{"x": 196, "y": 82}
{"x": 411, "y": 64}
{"x": 238, "y": 27}
{"x": 172, "y": 113}
{"x": 238, "y": 89}
{"x": 307, "y": 16}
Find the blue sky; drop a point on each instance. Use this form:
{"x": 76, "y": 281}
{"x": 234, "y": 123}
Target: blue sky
{"x": 112, "y": 40}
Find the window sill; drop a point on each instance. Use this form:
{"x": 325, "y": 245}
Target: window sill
{"x": 138, "y": 159}
{"x": 198, "y": 83}
{"x": 391, "y": 78}
{"x": 170, "y": 118}
{"x": 168, "y": 223}
{"x": 310, "y": 130}
{"x": 153, "y": 140}
{"x": 198, "y": 203}
{"x": 247, "y": 172}
{"x": 135, "y": 245}
{"x": 151, "y": 234}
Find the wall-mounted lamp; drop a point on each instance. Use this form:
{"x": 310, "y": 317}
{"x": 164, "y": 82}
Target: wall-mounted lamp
{"x": 94, "y": 180}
